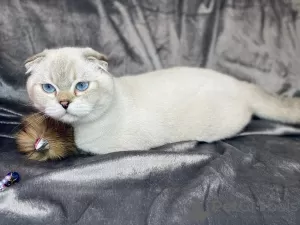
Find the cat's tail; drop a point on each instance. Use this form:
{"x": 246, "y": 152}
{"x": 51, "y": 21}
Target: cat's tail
{"x": 273, "y": 107}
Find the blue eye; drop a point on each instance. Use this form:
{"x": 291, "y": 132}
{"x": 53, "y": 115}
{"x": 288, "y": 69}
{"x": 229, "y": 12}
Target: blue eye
{"x": 48, "y": 88}
{"x": 82, "y": 86}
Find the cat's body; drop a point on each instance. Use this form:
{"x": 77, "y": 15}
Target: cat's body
{"x": 152, "y": 109}
{"x": 167, "y": 106}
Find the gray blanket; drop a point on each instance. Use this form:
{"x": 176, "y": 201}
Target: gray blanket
{"x": 250, "y": 179}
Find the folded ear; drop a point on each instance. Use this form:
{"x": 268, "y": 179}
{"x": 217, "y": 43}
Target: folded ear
{"x": 101, "y": 59}
{"x": 32, "y": 61}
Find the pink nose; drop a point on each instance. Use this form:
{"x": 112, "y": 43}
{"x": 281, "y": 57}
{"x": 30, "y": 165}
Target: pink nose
{"x": 64, "y": 104}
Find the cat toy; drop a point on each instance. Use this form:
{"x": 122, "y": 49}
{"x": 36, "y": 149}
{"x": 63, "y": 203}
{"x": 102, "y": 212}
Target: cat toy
{"x": 10, "y": 179}
{"x": 41, "y": 144}
{"x": 42, "y": 138}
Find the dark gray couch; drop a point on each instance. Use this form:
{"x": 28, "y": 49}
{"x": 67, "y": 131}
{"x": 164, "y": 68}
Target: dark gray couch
{"x": 250, "y": 179}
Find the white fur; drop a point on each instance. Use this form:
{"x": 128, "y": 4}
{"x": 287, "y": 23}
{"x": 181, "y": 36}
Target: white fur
{"x": 152, "y": 109}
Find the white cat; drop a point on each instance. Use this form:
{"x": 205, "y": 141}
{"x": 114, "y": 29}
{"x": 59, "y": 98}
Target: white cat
{"x": 148, "y": 110}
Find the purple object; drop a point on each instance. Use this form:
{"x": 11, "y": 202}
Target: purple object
{"x": 9, "y": 179}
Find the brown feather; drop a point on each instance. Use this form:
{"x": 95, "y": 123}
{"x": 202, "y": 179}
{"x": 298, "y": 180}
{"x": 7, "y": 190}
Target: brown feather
{"x": 59, "y": 135}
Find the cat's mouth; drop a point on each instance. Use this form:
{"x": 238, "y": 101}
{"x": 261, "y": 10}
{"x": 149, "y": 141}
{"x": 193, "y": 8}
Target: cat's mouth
{"x": 65, "y": 115}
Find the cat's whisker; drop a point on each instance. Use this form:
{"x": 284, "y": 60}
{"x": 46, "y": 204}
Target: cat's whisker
{"x": 11, "y": 111}
{"x": 30, "y": 104}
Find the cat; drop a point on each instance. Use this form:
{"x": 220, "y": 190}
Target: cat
{"x": 145, "y": 111}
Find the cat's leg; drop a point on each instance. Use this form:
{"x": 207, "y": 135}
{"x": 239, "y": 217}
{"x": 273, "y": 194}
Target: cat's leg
{"x": 228, "y": 125}
{"x": 271, "y": 106}
{"x": 218, "y": 118}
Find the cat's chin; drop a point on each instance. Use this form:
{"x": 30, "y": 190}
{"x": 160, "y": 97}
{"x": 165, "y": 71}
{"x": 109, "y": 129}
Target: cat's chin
{"x": 68, "y": 118}
{"x": 63, "y": 116}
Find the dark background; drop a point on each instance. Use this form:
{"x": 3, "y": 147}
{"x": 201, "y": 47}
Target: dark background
{"x": 251, "y": 179}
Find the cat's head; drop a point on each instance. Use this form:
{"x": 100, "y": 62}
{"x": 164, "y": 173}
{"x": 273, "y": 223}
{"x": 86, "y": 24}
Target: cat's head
{"x": 69, "y": 84}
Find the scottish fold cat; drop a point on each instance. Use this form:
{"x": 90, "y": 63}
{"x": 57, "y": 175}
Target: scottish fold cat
{"x": 148, "y": 110}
